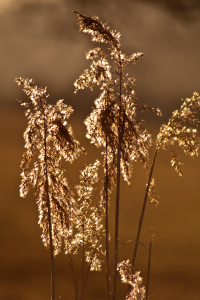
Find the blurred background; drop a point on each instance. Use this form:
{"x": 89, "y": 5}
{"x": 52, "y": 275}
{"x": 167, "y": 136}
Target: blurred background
{"x": 40, "y": 39}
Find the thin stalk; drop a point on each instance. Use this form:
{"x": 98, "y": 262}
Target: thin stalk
{"x": 143, "y": 209}
{"x": 74, "y": 276}
{"x": 120, "y": 138}
{"x": 49, "y": 214}
{"x": 82, "y": 295}
{"x": 106, "y": 217}
{"x": 148, "y": 270}
{"x": 83, "y": 255}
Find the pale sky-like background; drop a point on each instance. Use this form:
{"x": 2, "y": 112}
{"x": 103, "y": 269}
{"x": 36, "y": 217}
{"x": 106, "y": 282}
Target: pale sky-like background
{"x": 40, "y": 40}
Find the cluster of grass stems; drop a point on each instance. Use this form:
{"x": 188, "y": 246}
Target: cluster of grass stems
{"x": 83, "y": 224}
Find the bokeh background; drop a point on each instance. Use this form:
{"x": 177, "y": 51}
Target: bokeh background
{"x": 40, "y": 39}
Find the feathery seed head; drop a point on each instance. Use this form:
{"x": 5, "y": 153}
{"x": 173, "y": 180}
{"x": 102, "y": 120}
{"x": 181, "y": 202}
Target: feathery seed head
{"x": 100, "y": 32}
{"x": 50, "y": 137}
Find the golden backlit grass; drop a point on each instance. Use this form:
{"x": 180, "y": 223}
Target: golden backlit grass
{"x": 175, "y": 256}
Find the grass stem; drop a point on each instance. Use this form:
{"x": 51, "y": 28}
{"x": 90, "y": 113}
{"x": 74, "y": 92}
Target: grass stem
{"x": 49, "y": 214}
{"x": 143, "y": 210}
{"x": 148, "y": 270}
{"x": 120, "y": 138}
{"x": 106, "y": 217}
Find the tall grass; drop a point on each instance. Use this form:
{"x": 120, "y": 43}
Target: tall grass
{"x": 81, "y": 223}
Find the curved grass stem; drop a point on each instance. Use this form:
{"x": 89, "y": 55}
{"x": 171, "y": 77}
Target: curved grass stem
{"x": 143, "y": 210}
